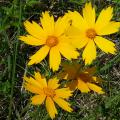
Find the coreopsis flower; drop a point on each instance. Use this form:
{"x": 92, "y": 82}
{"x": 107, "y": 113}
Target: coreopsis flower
{"x": 89, "y": 32}
{"x": 80, "y": 79}
{"x": 50, "y": 36}
{"x": 48, "y": 93}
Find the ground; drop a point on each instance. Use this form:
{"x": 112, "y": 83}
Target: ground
{"x": 14, "y": 54}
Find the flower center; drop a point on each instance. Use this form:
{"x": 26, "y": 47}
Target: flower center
{"x": 51, "y": 41}
{"x": 49, "y": 92}
{"x": 91, "y": 33}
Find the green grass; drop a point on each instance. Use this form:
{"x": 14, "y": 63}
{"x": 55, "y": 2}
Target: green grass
{"x": 14, "y": 100}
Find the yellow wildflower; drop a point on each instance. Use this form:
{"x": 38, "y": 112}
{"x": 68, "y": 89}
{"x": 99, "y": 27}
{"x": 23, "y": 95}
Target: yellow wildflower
{"x": 84, "y": 81}
{"x": 50, "y": 35}
{"x": 88, "y": 31}
{"x": 48, "y": 92}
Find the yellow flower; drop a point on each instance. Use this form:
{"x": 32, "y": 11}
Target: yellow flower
{"x": 84, "y": 81}
{"x": 50, "y": 35}
{"x": 48, "y": 92}
{"x": 88, "y": 31}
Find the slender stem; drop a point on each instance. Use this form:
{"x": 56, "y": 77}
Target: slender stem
{"x": 14, "y": 69}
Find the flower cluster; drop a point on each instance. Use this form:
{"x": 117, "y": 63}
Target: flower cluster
{"x": 64, "y": 38}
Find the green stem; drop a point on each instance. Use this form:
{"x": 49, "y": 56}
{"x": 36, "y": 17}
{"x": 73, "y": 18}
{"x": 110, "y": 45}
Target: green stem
{"x": 14, "y": 69}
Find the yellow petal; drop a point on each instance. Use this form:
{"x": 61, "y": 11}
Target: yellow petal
{"x": 33, "y": 82}
{"x": 104, "y": 18}
{"x": 33, "y": 89}
{"x": 63, "y": 93}
{"x": 89, "y": 14}
{"x": 110, "y": 28}
{"x": 53, "y": 83}
{"x": 64, "y": 38}
{"x": 37, "y": 76}
{"x": 39, "y": 55}
{"x": 79, "y": 42}
{"x": 35, "y": 30}
{"x": 77, "y": 20}
{"x": 54, "y": 58}
{"x": 50, "y": 106}
{"x": 97, "y": 79}
{"x": 73, "y": 31}
{"x": 28, "y": 39}
{"x": 95, "y": 88}
{"x": 105, "y": 45}
{"x": 72, "y": 85}
{"x": 38, "y": 99}
{"x": 68, "y": 51}
{"x": 41, "y": 80}
{"x": 63, "y": 104}
{"x": 47, "y": 22}
{"x": 89, "y": 53}
{"x": 64, "y": 22}
{"x": 82, "y": 86}
{"x": 77, "y": 38}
